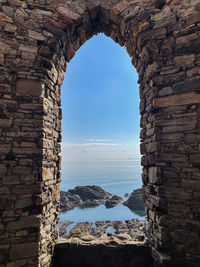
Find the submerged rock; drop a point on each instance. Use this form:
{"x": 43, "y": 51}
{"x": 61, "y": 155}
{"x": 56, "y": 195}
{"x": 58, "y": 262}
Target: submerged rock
{"x": 83, "y": 196}
{"x": 135, "y": 200}
{"x": 113, "y": 201}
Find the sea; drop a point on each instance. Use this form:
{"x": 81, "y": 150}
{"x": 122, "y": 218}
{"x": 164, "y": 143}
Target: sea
{"x": 117, "y": 177}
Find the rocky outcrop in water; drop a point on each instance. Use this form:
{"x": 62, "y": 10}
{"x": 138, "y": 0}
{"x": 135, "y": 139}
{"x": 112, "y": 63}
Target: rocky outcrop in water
{"x": 135, "y": 200}
{"x": 68, "y": 201}
{"x": 91, "y": 196}
{"x": 113, "y": 201}
{"x": 83, "y": 196}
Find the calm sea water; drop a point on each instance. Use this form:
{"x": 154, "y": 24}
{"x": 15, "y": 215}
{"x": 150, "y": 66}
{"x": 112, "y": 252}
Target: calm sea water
{"x": 117, "y": 177}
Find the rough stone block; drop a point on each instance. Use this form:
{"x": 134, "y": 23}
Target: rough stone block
{"x": 176, "y": 100}
{"x": 45, "y": 51}
{"x": 4, "y": 190}
{"x": 154, "y": 175}
{"x": 26, "y": 150}
{"x": 184, "y": 61}
{"x": 48, "y": 173}
{"x": 5, "y": 123}
{"x": 153, "y": 147}
{"x": 10, "y": 28}
{"x": 4, "y": 18}
{"x": 178, "y": 128}
{"x": 22, "y": 203}
{"x": 5, "y": 88}
{"x": 28, "y": 144}
{"x": 187, "y": 86}
{"x": 4, "y": 202}
{"x": 171, "y": 157}
{"x": 22, "y": 189}
{"x": 17, "y": 263}
{"x": 165, "y": 91}
{"x": 195, "y": 158}
{"x": 5, "y": 148}
{"x": 29, "y": 87}
{"x": 24, "y": 222}
{"x": 11, "y": 179}
{"x": 36, "y": 35}
{"x": 28, "y": 48}
{"x": 2, "y": 59}
{"x": 25, "y": 250}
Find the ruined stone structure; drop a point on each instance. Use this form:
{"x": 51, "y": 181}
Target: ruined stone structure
{"x": 37, "y": 38}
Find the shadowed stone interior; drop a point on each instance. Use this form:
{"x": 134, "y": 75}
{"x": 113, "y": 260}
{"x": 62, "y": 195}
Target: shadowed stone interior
{"x": 38, "y": 37}
{"x": 98, "y": 255}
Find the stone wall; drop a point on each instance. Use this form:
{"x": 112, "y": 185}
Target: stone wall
{"x": 37, "y": 39}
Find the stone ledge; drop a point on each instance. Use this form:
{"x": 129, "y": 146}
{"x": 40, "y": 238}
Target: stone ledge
{"x": 125, "y": 255}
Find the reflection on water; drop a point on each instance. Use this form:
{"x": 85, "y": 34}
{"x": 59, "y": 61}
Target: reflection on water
{"x": 100, "y": 213}
{"x": 110, "y": 230}
{"x": 117, "y": 177}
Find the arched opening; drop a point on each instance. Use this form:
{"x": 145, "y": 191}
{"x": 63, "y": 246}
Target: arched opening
{"x": 100, "y": 144}
{"x": 37, "y": 38}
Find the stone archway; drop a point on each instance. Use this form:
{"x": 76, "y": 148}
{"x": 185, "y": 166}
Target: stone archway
{"x": 37, "y": 38}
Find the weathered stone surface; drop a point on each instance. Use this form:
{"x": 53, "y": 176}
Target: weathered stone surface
{"x": 165, "y": 91}
{"x": 177, "y": 100}
{"x": 4, "y": 202}
{"x": 22, "y": 203}
{"x": 29, "y": 87}
{"x": 19, "y": 251}
{"x": 35, "y": 35}
{"x": 24, "y": 222}
{"x": 11, "y": 179}
{"x": 154, "y": 175}
{"x": 5, "y": 18}
{"x": 5, "y": 123}
{"x": 10, "y": 28}
{"x": 184, "y": 61}
{"x": 45, "y": 51}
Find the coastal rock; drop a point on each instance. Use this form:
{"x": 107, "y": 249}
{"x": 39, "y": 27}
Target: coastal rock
{"x": 133, "y": 229}
{"x": 68, "y": 201}
{"x": 135, "y": 201}
{"x": 83, "y": 196}
{"x": 62, "y": 228}
{"x": 124, "y": 237}
{"x": 113, "y": 201}
{"x": 90, "y": 192}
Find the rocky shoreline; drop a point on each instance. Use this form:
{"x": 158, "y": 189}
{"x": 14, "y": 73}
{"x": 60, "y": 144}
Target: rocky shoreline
{"x": 101, "y": 231}
{"x": 132, "y": 230}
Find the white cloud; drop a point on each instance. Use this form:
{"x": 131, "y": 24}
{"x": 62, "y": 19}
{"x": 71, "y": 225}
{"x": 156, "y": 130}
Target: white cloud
{"x": 98, "y": 140}
{"x": 69, "y": 144}
{"x": 99, "y": 149}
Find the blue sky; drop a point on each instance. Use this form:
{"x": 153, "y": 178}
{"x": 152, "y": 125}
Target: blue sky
{"x": 100, "y": 102}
